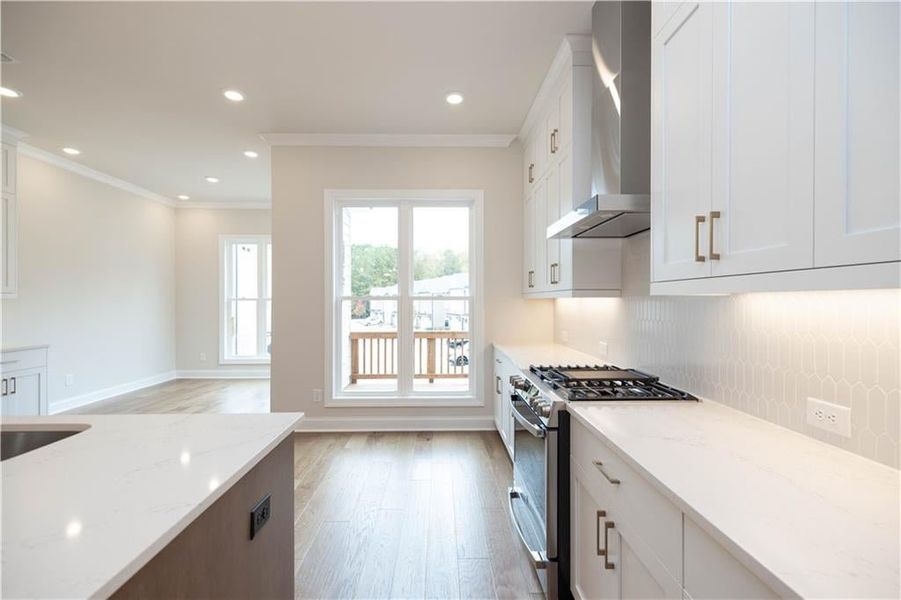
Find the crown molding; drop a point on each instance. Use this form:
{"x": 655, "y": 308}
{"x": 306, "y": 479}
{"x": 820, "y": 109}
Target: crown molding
{"x": 574, "y": 50}
{"x": 79, "y": 169}
{"x": 400, "y": 140}
{"x": 11, "y": 134}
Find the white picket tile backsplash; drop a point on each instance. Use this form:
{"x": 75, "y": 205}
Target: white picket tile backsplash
{"x": 761, "y": 353}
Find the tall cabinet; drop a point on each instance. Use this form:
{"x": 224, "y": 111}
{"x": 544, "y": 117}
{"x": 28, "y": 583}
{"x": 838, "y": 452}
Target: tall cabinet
{"x": 774, "y": 146}
{"x": 556, "y": 139}
{"x": 8, "y": 220}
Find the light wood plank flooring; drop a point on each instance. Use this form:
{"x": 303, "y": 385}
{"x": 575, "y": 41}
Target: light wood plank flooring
{"x": 406, "y": 515}
{"x": 188, "y": 396}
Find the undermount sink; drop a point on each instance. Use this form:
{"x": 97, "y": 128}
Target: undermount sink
{"x": 14, "y": 442}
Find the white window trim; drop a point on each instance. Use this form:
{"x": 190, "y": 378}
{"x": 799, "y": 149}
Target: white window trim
{"x": 224, "y": 240}
{"x": 475, "y": 396}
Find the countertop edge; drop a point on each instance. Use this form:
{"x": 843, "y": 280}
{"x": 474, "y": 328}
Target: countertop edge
{"x": 129, "y": 570}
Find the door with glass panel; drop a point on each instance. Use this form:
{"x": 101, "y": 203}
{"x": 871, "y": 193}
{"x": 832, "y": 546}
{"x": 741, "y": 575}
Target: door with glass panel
{"x": 403, "y": 299}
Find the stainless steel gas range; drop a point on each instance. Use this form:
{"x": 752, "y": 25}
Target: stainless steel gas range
{"x": 539, "y": 497}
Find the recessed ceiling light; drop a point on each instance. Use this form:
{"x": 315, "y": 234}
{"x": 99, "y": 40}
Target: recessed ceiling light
{"x": 233, "y": 95}
{"x": 454, "y": 98}
{"x": 210, "y": 179}
{"x": 250, "y": 154}
{"x": 71, "y": 151}
{"x": 184, "y": 197}
{"x": 10, "y": 93}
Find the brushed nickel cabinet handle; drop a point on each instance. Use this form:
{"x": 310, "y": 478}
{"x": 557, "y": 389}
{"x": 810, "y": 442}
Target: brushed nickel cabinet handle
{"x": 531, "y": 279}
{"x": 4, "y": 388}
{"x": 497, "y": 384}
{"x": 531, "y": 177}
{"x": 554, "y": 146}
{"x": 600, "y": 467}
{"x": 12, "y": 385}
{"x": 699, "y": 219}
{"x": 608, "y": 525}
{"x": 597, "y": 537}
{"x": 714, "y": 214}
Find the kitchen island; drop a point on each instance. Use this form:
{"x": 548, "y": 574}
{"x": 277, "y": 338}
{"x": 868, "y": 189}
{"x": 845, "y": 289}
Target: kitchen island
{"x": 104, "y": 511}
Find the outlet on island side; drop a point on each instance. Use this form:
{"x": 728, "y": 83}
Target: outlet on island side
{"x": 828, "y": 416}
{"x": 317, "y": 396}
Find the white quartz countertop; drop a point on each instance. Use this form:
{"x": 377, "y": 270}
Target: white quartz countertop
{"x": 806, "y": 517}
{"x": 545, "y": 354}
{"x": 82, "y": 515}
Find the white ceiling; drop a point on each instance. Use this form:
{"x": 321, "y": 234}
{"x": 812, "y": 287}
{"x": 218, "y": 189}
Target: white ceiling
{"x": 138, "y": 86}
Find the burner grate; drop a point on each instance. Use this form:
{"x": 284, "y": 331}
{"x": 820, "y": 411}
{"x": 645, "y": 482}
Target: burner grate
{"x": 606, "y": 382}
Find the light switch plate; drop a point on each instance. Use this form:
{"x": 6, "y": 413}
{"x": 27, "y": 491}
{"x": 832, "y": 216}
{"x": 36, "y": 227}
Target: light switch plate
{"x": 828, "y": 416}
{"x": 602, "y": 349}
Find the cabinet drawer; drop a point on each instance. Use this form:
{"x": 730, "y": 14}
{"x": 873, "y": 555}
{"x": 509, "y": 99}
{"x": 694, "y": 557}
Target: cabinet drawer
{"x": 711, "y": 572}
{"x": 644, "y": 513}
{"x": 18, "y": 360}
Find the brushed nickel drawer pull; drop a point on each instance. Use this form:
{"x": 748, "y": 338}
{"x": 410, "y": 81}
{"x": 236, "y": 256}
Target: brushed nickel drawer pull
{"x": 531, "y": 279}
{"x": 497, "y": 384}
{"x": 597, "y": 538}
{"x": 608, "y": 525}
{"x": 600, "y": 467}
{"x": 554, "y": 146}
{"x": 531, "y": 177}
{"x": 12, "y": 386}
{"x": 699, "y": 219}
{"x": 714, "y": 214}
{"x": 4, "y": 387}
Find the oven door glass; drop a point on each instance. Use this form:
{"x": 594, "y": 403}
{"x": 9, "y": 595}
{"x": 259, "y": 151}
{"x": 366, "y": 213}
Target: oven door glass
{"x": 530, "y": 466}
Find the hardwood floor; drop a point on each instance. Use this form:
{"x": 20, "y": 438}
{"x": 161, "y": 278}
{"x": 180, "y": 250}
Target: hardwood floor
{"x": 406, "y": 515}
{"x": 188, "y": 396}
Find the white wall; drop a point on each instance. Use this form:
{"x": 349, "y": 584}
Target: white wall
{"x": 197, "y": 234}
{"x": 299, "y": 178}
{"x": 760, "y": 353}
{"x": 96, "y": 281}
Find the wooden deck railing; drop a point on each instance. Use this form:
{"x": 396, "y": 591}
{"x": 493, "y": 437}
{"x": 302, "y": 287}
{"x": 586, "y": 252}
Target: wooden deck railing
{"x": 436, "y": 355}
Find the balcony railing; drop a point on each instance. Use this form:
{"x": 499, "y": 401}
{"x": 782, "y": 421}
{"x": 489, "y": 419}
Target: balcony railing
{"x": 436, "y": 355}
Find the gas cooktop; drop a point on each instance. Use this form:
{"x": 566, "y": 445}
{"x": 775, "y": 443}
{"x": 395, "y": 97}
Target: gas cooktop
{"x": 606, "y": 382}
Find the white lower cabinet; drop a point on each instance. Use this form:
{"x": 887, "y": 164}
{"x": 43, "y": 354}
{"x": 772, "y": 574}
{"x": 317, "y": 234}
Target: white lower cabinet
{"x": 23, "y": 382}
{"x": 711, "y": 572}
{"x": 503, "y": 412}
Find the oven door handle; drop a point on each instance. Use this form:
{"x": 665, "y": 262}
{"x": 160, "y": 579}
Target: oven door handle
{"x": 531, "y": 428}
{"x": 539, "y": 559}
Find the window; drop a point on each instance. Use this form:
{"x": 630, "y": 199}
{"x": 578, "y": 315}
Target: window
{"x": 404, "y": 297}
{"x": 245, "y": 334}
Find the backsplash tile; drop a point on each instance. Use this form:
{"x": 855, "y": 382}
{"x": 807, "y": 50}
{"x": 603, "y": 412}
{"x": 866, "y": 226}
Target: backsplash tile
{"x": 762, "y": 353}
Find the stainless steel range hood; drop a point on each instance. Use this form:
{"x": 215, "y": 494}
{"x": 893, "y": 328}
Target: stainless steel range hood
{"x": 620, "y": 205}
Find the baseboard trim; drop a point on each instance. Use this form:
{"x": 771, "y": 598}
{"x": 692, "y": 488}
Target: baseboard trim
{"x": 224, "y": 374}
{"x": 116, "y": 390}
{"x": 340, "y": 424}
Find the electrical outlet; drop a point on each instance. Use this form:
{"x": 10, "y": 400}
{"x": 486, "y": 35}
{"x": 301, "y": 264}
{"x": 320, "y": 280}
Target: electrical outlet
{"x": 70, "y": 379}
{"x": 259, "y": 515}
{"x": 203, "y": 357}
{"x": 828, "y": 416}
{"x": 602, "y": 349}
{"x": 317, "y": 396}
{"x": 564, "y": 336}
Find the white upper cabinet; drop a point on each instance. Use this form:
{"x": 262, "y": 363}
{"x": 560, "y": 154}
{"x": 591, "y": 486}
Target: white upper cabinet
{"x": 762, "y": 138}
{"x": 681, "y": 95}
{"x": 775, "y": 146}
{"x": 557, "y": 174}
{"x": 857, "y": 124}
{"x": 8, "y": 168}
{"x": 8, "y": 222}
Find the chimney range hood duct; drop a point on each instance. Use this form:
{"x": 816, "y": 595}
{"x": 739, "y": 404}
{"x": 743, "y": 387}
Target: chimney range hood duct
{"x": 620, "y": 205}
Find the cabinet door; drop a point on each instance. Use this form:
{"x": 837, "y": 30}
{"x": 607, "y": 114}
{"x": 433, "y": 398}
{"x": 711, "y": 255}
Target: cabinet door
{"x": 539, "y": 237}
{"x": 498, "y": 397}
{"x": 763, "y": 137}
{"x": 552, "y": 213}
{"x": 528, "y": 235}
{"x": 23, "y": 394}
{"x": 8, "y": 169}
{"x": 565, "y": 109}
{"x": 589, "y": 578}
{"x": 8, "y": 245}
{"x": 857, "y": 141}
{"x": 636, "y": 580}
{"x": 680, "y": 143}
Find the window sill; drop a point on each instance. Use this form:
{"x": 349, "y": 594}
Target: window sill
{"x": 403, "y": 402}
